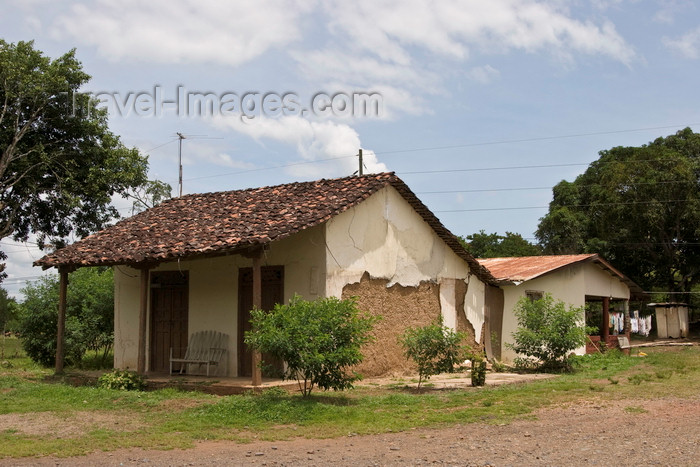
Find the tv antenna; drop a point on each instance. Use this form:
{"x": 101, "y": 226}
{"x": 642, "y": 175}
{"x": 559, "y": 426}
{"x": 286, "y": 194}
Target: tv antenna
{"x": 180, "y": 137}
{"x": 360, "y": 171}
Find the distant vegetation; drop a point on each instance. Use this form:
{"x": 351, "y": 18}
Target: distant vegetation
{"x": 639, "y": 207}
{"x": 493, "y": 245}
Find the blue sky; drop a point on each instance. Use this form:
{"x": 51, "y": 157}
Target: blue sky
{"x": 477, "y": 98}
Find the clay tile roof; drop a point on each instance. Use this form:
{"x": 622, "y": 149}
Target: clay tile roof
{"x": 525, "y": 268}
{"x": 212, "y": 224}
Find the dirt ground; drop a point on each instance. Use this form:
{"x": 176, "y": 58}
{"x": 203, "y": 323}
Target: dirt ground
{"x": 626, "y": 433}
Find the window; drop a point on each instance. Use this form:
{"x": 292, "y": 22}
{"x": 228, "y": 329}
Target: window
{"x": 533, "y": 295}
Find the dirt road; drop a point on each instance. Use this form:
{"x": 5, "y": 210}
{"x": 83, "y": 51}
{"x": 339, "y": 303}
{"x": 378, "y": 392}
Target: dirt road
{"x": 626, "y": 433}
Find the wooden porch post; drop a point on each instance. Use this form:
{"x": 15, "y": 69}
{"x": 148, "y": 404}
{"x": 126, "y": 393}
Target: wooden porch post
{"x": 61, "y": 327}
{"x": 143, "y": 311}
{"x": 605, "y": 325}
{"x": 257, "y": 304}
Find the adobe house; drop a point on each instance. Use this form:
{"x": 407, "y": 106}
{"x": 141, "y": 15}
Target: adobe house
{"x": 202, "y": 261}
{"x": 574, "y": 279}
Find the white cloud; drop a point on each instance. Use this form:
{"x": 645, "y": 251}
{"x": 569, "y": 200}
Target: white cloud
{"x": 390, "y": 28}
{"x": 404, "y": 49}
{"x": 33, "y": 24}
{"x": 393, "y": 31}
{"x": 687, "y": 45}
{"x": 313, "y": 141}
{"x": 484, "y": 74}
{"x": 191, "y": 31}
{"x": 606, "y": 4}
{"x": 669, "y": 9}
{"x": 401, "y": 45}
{"x": 224, "y": 160}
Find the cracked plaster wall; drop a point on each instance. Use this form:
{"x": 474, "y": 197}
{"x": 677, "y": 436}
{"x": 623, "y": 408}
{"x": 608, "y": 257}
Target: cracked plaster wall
{"x": 386, "y": 239}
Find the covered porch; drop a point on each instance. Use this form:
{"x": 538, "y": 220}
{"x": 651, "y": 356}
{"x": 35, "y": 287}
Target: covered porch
{"x": 610, "y": 315}
{"x": 148, "y": 282}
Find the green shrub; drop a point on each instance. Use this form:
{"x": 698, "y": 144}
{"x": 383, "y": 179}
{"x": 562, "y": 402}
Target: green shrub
{"x": 318, "y": 340}
{"x": 434, "y": 348}
{"x": 499, "y": 367}
{"x": 525, "y": 364}
{"x": 639, "y": 378}
{"x": 478, "y": 372}
{"x": 89, "y": 317}
{"x": 548, "y": 331}
{"x": 123, "y": 380}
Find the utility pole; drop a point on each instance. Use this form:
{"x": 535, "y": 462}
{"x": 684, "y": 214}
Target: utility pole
{"x": 361, "y": 164}
{"x": 179, "y": 162}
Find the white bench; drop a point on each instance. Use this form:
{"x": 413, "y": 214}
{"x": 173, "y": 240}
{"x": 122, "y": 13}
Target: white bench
{"x": 209, "y": 348}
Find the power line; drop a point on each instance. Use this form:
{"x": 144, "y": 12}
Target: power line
{"x": 19, "y": 243}
{"x": 529, "y": 140}
{"x": 259, "y": 169}
{"x": 533, "y": 188}
{"x": 481, "y": 169}
{"x": 563, "y": 206}
{"x": 161, "y": 145}
{"x": 421, "y": 172}
{"x": 23, "y": 278}
{"x": 438, "y": 148}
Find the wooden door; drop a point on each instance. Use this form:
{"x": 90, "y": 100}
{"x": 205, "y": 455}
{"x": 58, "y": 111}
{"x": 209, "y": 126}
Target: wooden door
{"x": 272, "y": 293}
{"x": 169, "y": 315}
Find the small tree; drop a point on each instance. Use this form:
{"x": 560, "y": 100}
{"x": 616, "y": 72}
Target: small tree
{"x": 318, "y": 340}
{"x": 548, "y": 331}
{"x": 8, "y": 311}
{"x": 89, "y": 316}
{"x": 434, "y": 348}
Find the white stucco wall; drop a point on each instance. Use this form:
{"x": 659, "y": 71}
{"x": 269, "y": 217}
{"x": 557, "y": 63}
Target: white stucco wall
{"x": 213, "y": 291}
{"x": 448, "y": 302}
{"x": 126, "y": 317}
{"x": 474, "y": 306}
{"x": 385, "y": 237}
{"x": 570, "y": 284}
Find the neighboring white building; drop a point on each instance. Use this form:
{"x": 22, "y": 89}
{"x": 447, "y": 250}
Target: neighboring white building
{"x": 187, "y": 265}
{"x": 573, "y": 279}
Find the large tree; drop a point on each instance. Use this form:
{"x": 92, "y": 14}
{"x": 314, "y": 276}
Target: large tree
{"x": 493, "y": 245}
{"x": 59, "y": 163}
{"x": 639, "y": 207}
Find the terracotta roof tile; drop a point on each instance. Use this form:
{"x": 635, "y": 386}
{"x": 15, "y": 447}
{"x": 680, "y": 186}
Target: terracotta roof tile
{"x": 219, "y": 223}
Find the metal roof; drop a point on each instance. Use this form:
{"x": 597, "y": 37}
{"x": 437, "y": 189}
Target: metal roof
{"x": 525, "y": 268}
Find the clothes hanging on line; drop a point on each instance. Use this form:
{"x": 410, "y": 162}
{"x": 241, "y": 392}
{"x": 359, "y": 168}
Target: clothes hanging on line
{"x": 617, "y": 323}
{"x": 640, "y": 324}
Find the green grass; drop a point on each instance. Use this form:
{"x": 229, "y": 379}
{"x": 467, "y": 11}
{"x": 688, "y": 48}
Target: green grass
{"x": 635, "y": 409}
{"x": 169, "y": 418}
